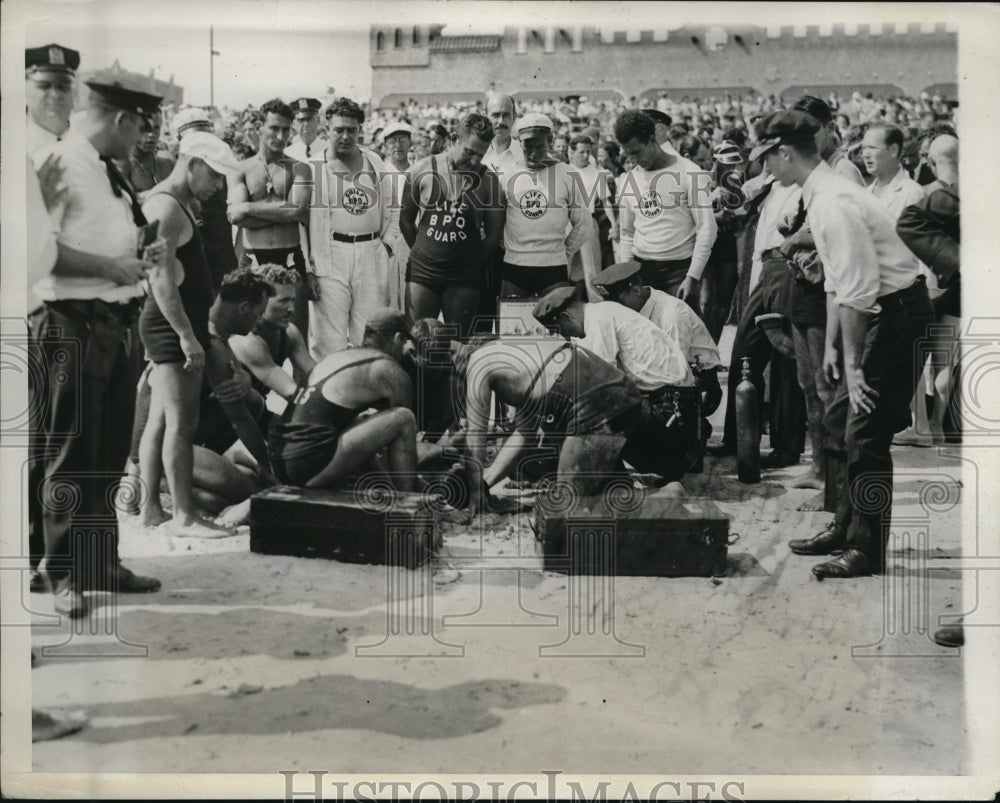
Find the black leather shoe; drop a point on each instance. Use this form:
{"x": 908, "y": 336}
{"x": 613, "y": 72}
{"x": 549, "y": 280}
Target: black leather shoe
{"x": 853, "y": 563}
{"x": 779, "y": 460}
{"x": 951, "y": 636}
{"x": 128, "y": 582}
{"x": 721, "y": 450}
{"x": 71, "y": 603}
{"x": 831, "y": 541}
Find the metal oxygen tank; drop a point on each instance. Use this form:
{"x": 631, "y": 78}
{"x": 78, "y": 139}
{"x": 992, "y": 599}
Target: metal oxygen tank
{"x": 747, "y": 428}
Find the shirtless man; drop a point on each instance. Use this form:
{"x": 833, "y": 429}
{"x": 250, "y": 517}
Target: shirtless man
{"x": 321, "y": 439}
{"x": 275, "y": 339}
{"x": 270, "y": 198}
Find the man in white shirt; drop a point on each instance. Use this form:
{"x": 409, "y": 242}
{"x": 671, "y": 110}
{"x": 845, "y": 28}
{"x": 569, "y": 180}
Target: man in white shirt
{"x": 667, "y": 439}
{"x": 878, "y": 309}
{"x": 348, "y": 223}
{"x": 667, "y": 222}
{"x": 308, "y": 145}
{"x": 85, "y": 333}
{"x": 49, "y": 72}
{"x": 880, "y": 151}
{"x": 397, "y": 139}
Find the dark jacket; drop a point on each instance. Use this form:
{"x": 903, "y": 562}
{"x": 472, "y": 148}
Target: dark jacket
{"x": 931, "y": 230}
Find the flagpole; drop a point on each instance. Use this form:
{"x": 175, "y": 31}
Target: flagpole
{"x": 211, "y": 66}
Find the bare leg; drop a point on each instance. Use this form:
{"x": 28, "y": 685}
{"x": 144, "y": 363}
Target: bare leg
{"x": 942, "y": 361}
{"x": 421, "y": 302}
{"x": 150, "y": 458}
{"x": 395, "y": 430}
{"x": 180, "y": 390}
{"x": 587, "y": 462}
{"x": 459, "y": 305}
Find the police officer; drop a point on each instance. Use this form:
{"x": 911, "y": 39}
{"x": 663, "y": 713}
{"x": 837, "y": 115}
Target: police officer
{"x": 84, "y": 335}
{"x": 49, "y": 72}
{"x": 880, "y": 307}
{"x": 308, "y": 144}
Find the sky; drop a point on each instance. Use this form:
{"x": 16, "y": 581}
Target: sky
{"x": 289, "y": 48}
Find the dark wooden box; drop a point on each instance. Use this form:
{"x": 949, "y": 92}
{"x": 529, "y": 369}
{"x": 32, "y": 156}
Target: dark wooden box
{"x": 394, "y": 528}
{"x": 657, "y": 538}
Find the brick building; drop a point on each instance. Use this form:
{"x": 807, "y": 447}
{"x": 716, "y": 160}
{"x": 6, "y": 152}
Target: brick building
{"x": 420, "y": 62}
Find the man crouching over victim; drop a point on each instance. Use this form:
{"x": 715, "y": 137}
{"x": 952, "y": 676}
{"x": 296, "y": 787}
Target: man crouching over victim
{"x": 558, "y": 388}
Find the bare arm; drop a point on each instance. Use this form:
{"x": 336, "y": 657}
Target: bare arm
{"x": 294, "y": 209}
{"x": 218, "y": 369}
{"x": 478, "y": 396}
{"x": 298, "y": 353}
{"x": 252, "y": 351}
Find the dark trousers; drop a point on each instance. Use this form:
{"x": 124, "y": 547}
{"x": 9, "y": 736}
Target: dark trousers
{"x": 787, "y": 412}
{"x": 666, "y": 275}
{"x": 486, "y": 312}
{"x": 666, "y": 438}
{"x": 89, "y": 356}
{"x": 891, "y": 368}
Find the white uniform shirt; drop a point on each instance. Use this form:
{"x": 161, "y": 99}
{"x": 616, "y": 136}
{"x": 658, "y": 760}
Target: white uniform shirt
{"x": 42, "y": 232}
{"x": 856, "y": 238}
{"x": 297, "y": 150}
{"x": 92, "y": 219}
{"x": 781, "y": 203}
{"x": 900, "y": 192}
{"x": 503, "y": 162}
{"x": 677, "y": 319}
{"x": 37, "y": 139}
{"x": 644, "y": 351}
{"x": 671, "y": 212}
{"x": 593, "y": 183}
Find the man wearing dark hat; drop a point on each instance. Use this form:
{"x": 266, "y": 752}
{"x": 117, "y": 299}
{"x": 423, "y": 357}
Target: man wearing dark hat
{"x": 322, "y": 438}
{"x": 622, "y": 283}
{"x": 667, "y": 438}
{"x": 879, "y": 307}
{"x": 49, "y": 72}
{"x": 308, "y": 145}
{"x": 92, "y": 299}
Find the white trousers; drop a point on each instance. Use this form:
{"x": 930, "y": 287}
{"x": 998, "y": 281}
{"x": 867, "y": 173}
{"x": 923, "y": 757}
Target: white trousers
{"x": 351, "y": 288}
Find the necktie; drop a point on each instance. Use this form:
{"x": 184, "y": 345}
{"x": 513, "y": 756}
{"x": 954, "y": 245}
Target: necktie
{"x": 308, "y": 153}
{"x": 119, "y": 185}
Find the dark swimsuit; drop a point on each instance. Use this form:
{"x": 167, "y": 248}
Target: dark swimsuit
{"x": 589, "y": 396}
{"x": 162, "y": 343}
{"x": 304, "y": 440}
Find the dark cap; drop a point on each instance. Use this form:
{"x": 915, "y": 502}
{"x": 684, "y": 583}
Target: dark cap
{"x": 658, "y": 117}
{"x": 552, "y": 303}
{"x": 306, "y": 106}
{"x": 783, "y": 128}
{"x": 619, "y": 272}
{"x": 51, "y": 58}
{"x": 129, "y": 100}
{"x": 388, "y": 321}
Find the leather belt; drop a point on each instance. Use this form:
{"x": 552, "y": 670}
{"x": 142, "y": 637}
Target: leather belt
{"x": 354, "y": 238}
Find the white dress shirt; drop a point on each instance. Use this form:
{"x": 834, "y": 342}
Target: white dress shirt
{"x": 898, "y": 193}
{"x": 297, "y": 150}
{"x": 677, "y": 319}
{"x": 781, "y": 203}
{"x": 856, "y": 238}
{"x": 650, "y": 356}
{"x": 92, "y": 219}
{"x": 37, "y": 139}
{"x": 502, "y": 162}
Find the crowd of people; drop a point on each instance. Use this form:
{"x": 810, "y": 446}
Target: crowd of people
{"x": 362, "y": 287}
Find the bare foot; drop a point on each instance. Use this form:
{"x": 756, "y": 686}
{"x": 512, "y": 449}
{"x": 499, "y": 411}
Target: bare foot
{"x": 910, "y": 437}
{"x": 451, "y": 514}
{"x": 153, "y": 516}
{"x": 198, "y": 527}
{"x": 807, "y": 480}
{"x": 235, "y": 515}
{"x": 815, "y": 503}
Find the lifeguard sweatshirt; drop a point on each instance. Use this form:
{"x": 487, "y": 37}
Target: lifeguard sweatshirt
{"x": 545, "y": 216}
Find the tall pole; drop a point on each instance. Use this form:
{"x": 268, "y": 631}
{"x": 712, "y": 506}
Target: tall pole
{"x": 211, "y": 66}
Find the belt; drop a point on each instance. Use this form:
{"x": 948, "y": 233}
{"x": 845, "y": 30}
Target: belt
{"x": 900, "y": 296}
{"x": 125, "y": 312}
{"x": 354, "y": 238}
